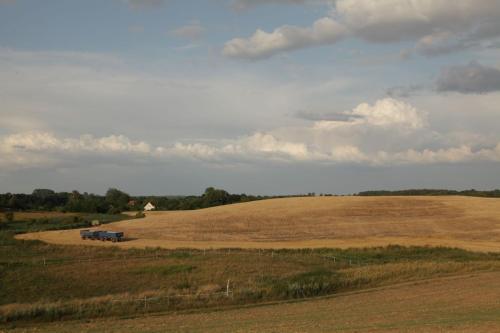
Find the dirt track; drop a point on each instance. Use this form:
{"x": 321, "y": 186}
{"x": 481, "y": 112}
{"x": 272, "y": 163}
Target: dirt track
{"x": 466, "y": 222}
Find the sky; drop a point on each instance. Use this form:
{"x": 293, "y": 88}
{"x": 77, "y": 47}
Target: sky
{"x": 252, "y": 96}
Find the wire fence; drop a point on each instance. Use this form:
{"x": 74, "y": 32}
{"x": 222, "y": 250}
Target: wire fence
{"x": 228, "y": 293}
{"x": 180, "y": 254}
{"x": 169, "y": 299}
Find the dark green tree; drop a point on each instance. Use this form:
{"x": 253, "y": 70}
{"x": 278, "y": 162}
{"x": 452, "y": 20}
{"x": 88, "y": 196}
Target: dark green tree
{"x": 43, "y": 194}
{"x": 214, "y": 197}
{"x": 117, "y": 200}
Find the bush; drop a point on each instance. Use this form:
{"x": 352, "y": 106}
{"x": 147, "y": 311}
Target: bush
{"x": 140, "y": 215}
{"x": 9, "y": 216}
{"x": 114, "y": 211}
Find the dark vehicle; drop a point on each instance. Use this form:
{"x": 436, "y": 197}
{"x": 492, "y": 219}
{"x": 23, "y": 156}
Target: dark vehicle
{"x": 113, "y": 236}
{"x": 89, "y": 234}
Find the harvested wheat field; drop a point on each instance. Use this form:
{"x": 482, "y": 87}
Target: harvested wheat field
{"x": 312, "y": 222}
{"x": 459, "y": 304}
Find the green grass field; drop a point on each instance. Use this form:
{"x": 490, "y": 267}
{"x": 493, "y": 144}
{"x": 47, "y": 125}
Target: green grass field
{"x": 466, "y": 303}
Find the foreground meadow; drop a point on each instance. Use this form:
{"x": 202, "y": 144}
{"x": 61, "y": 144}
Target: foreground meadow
{"x": 460, "y": 304}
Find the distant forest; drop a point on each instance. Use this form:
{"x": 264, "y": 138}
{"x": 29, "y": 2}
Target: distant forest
{"x": 471, "y": 193}
{"x": 116, "y": 201}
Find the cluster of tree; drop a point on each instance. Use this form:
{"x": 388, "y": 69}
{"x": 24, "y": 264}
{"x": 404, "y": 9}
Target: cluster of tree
{"x": 115, "y": 201}
{"x": 212, "y": 197}
{"x": 472, "y": 193}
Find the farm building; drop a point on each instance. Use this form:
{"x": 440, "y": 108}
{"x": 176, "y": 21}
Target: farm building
{"x": 149, "y": 206}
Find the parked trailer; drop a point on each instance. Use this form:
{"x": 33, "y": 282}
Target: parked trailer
{"x": 89, "y": 234}
{"x": 113, "y": 236}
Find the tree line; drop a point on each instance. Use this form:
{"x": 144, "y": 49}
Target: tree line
{"x": 115, "y": 201}
{"x": 471, "y": 193}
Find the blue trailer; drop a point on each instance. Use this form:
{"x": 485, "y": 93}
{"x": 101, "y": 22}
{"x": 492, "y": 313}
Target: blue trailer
{"x": 114, "y": 236}
{"x": 89, "y": 234}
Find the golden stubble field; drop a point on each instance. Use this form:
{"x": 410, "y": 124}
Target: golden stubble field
{"x": 312, "y": 222}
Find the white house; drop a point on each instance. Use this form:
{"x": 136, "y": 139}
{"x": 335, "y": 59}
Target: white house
{"x": 149, "y": 206}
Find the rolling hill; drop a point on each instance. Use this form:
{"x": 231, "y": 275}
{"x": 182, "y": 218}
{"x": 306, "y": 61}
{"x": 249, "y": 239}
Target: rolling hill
{"x": 311, "y": 222}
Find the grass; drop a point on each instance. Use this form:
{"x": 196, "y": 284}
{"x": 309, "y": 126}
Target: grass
{"x": 85, "y": 289}
{"x": 433, "y": 306}
{"x": 57, "y": 222}
{"x": 45, "y": 282}
{"x": 24, "y": 216}
{"x": 164, "y": 270}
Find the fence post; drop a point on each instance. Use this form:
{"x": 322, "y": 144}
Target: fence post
{"x": 227, "y": 289}
{"x": 44, "y": 262}
{"x": 145, "y": 302}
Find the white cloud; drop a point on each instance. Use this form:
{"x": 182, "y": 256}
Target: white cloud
{"x": 250, "y": 148}
{"x": 268, "y": 144}
{"x": 48, "y": 142}
{"x": 41, "y": 150}
{"x": 387, "y": 112}
{"x": 47, "y": 91}
{"x": 460, "y": 24}
{"x": 262, "y": 44}
{"x": 325, "y": 142}
{"x": 395, "y": 20}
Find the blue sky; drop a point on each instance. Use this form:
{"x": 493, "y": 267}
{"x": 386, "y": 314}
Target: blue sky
{"x": 271, "y": 97}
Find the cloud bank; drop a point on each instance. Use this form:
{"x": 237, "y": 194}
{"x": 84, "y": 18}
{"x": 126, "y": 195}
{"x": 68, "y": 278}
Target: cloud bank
{"x": 473, "y": 78}
{"x": 437, "y": 27}
{"x": 263, "y": 45}
{"x": 326, "y": 141}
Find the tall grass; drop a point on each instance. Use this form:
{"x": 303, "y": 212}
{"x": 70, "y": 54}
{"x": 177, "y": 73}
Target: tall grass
{"x": 39, "y": 281}
{"x": 312, "y": 283}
